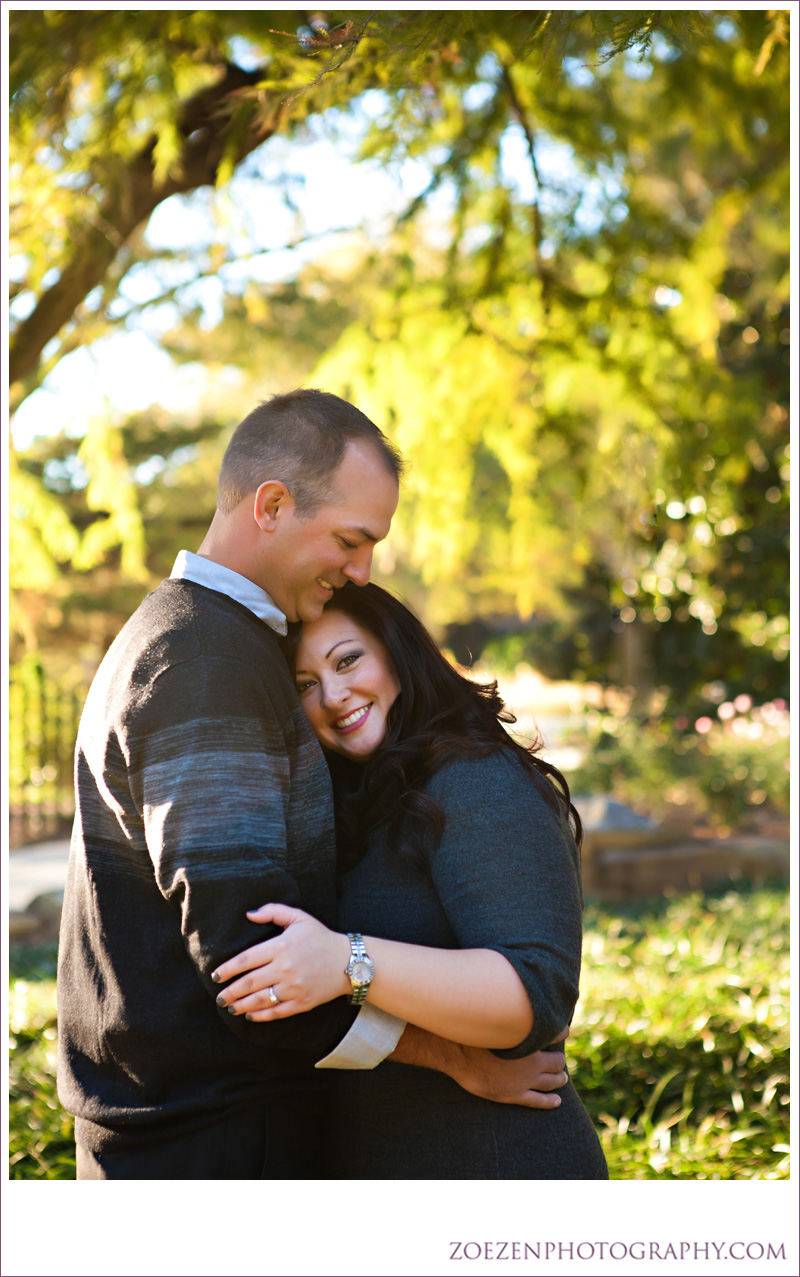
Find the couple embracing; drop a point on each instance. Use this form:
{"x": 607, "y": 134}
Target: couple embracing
{"x": 285, "y": 961}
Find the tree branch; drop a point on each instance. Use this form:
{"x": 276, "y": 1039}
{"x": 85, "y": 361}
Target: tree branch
{"x": 341, "y": 38}
{"x": 205, "y": 125}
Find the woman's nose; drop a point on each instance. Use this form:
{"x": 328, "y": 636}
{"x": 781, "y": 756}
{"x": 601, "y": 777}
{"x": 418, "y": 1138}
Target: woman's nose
{"x": 334, "y": 693}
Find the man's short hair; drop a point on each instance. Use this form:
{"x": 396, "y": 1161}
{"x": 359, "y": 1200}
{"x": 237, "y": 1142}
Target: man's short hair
{"x": 299, "y": 438}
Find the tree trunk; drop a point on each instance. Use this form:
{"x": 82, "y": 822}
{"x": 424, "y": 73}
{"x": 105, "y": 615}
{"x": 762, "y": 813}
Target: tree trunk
{"x": 205, "y": 125}
{"x": 636, "y": 662}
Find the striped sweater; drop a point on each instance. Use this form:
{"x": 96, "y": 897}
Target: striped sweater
{"x": 201, "y": 793}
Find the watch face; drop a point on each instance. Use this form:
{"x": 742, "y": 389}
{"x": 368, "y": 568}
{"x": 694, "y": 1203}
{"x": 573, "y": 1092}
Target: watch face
{"x": 360, "y": 973}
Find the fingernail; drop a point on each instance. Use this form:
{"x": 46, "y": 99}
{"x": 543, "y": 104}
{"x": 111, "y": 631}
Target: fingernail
{"x": 221, "y": 1000}
{"x": 558, "y": 1101}
{"x": 248, "y": 1016}
{"x": 231, "y": 1010}
{"x": 216, "y": 977}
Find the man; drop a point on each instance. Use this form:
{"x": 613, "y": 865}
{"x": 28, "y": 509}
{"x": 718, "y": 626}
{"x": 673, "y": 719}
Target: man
{"x": 201, "y": 792}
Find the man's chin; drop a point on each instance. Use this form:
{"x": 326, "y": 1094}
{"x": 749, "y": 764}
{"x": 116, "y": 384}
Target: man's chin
{"x": 308, "y": 612}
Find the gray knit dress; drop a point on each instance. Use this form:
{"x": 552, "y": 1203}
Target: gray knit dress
{"x": 505, "y": 876}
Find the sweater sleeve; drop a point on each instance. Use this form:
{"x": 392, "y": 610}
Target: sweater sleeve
{"x": 507, "y": 875}
{"x": 210, "y": 773}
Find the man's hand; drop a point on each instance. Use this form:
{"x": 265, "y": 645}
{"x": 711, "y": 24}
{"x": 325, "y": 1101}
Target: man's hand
{"x": 531, "y": 1082}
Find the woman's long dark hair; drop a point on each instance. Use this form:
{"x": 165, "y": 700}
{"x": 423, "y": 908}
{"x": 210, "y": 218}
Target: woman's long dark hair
{"x": 438, "y": 717}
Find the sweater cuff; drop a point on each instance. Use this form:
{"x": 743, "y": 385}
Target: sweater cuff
{"x": 373, "y": 1035}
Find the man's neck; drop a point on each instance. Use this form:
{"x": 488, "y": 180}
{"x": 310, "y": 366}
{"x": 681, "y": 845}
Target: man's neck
{"x": 226, "y": 543}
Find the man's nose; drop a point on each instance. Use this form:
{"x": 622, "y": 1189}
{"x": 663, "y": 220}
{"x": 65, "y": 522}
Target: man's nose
{"x": 359, "y": 565}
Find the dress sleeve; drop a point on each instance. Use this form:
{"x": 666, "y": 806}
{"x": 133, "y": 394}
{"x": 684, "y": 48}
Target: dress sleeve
{"x": 212, "y": 788}
{"x": 508, "y": 878}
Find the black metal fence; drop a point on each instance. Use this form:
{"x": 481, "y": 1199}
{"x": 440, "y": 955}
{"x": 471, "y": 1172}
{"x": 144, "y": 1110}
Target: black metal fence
{"x": 43, "y": 724}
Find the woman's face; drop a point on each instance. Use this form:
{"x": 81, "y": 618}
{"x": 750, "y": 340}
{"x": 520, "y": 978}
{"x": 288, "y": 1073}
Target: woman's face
{"x": 346, "y": 684}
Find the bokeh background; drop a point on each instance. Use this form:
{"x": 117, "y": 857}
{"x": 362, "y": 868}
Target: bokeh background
{"x": 547, "y": 252}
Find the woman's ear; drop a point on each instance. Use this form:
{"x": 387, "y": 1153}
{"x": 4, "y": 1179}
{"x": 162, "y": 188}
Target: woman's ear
{"x": 270, "y": 500}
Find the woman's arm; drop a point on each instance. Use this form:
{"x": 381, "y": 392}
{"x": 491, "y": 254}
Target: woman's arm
{"x": 470, "y": 996}
{"x": 507, "y": 876}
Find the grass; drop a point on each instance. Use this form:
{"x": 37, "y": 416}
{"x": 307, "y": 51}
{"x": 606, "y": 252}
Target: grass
{"x": 680, "y": 1049}
{"x": 40, "y": 1132}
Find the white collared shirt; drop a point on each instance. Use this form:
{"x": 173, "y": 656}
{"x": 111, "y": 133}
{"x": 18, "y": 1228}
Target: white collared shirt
{"x": 194, "y": 567}
{"x": 373, "y": 1034}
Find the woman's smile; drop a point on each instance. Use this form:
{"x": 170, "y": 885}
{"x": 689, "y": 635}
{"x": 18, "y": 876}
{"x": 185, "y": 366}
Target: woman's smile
{"x": 352, "y": 720}
{"x": 346, "y": 684}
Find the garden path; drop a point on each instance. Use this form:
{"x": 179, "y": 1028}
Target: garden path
{"x": 36, "y": 870}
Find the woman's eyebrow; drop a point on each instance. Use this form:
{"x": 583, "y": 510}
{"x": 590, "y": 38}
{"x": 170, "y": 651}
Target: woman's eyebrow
{"x": 327, "y": 654}
{"x": 339, "y": 644}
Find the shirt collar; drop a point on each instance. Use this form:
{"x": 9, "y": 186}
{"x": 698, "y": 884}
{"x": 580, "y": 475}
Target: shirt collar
{"x": 193, "y": 567}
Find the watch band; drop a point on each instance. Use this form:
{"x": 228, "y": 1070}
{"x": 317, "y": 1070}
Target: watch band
{"x": 359, "y": 969}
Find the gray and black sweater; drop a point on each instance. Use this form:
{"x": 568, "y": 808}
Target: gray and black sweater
{"x": 201, "y": 793}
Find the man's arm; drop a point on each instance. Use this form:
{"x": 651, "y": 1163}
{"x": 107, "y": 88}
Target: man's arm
{"x": 306, "y": 967}
{"x": 530, "y": 1081}
{"x": 210, "y": 775}
{"x": 371, "y": 1038}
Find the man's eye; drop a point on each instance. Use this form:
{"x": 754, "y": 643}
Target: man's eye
{"x": 348, "y": 545}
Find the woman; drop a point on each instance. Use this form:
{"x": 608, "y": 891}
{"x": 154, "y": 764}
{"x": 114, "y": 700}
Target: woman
{"x": 459, "y": 867}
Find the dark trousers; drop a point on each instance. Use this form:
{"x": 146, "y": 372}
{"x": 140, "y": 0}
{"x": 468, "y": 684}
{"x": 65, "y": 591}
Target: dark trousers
{"x": 277, "y": 1140}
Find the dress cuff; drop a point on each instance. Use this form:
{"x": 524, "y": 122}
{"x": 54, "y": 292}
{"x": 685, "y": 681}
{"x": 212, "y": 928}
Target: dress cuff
{"x": 372, "y": 1036}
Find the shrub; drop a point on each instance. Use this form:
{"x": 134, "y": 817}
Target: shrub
{"x": 40, "y": 1132}
{"x": 724, "y": 771}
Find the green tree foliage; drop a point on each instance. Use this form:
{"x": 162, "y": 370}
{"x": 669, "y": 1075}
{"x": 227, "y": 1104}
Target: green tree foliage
{"x": 166, "y": 475}
{"x": 595, "y": 400}
{"x": 113, "y": 112}
{"x": 578, "y": 332}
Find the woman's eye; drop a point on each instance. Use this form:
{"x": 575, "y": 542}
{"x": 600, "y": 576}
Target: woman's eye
{"x": 348, "y": 660}
{"x": 304, "y": 686}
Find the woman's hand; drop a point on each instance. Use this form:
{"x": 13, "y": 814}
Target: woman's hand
{"x": 304, "y": 966}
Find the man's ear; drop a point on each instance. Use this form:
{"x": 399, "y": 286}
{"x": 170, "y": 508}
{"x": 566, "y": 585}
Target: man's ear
{"x": 270, "y": 499}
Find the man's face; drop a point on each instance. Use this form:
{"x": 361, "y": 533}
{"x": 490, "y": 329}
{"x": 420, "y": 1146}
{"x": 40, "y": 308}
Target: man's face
{"x": 318, "y": 555}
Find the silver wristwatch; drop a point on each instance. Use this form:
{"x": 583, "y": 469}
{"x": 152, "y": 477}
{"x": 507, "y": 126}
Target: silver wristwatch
{"x": 359, "y": 969}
